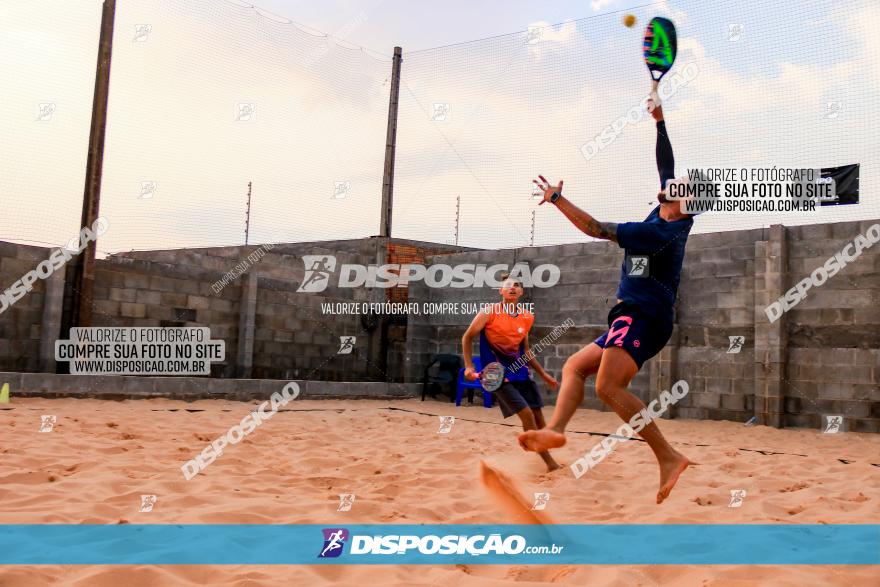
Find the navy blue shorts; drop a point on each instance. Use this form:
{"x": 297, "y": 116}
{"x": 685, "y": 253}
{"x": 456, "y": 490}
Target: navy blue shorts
{"x": 515, "y": 396}
{"x": 642, "y": 335}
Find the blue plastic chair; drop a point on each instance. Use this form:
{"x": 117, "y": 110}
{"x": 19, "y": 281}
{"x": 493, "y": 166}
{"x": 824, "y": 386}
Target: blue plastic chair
{"x": 488, "y": 398}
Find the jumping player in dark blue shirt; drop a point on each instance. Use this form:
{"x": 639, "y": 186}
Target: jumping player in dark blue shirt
{"x": 639, "y": 325}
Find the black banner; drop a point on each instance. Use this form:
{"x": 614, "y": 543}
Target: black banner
{"x": 846, "y": 180}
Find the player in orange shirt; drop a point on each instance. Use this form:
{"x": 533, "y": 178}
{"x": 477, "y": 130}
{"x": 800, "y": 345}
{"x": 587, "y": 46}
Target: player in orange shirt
{"x": 504, "y": 338}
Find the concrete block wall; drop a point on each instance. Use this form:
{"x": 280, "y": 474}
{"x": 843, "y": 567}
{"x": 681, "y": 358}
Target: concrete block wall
{"x": 135, "y": 292}
{"x": 51, "y": 385}
{"x": 834, "y": 333}
{"x": 270, "y": 329}
{"x": 292, "y": 338}
{"x": 21, "y": 323}
{"x": 589, "y": 274}
{"x": 716, "y": 301}
{"x": 821, "y": 357}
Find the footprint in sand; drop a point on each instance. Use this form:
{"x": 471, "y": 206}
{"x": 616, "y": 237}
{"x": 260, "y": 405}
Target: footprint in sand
{"x": 703, "y": 500}
{"x": 796, "y": 487}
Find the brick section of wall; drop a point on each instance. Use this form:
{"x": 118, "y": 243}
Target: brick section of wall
{"x": 407, "y": 253}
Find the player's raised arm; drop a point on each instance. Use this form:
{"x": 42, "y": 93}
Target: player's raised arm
{"x": 663, "y": 148}
{"x": 582, "y": 220}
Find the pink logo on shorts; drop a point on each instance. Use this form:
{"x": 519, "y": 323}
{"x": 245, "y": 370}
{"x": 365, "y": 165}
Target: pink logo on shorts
{"x": 620, "y": 333}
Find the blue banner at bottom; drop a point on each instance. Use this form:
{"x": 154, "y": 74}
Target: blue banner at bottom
{"x": 437, "y": 544}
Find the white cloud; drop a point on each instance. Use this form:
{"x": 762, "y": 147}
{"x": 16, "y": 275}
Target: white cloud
{"x": 555, "y": 33}
{"x": 598, "y": 5}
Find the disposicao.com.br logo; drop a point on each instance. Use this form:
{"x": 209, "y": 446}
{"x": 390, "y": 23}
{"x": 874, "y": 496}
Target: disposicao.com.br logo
{"x": 334, "y": 540}
{"x": 320, "y": 269}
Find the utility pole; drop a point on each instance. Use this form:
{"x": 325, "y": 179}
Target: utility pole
{"x": 390, "y": 147}
{"x": 247, "y": 219}
{"x": 457, "y": 211}
{"x": 84, "y": 273}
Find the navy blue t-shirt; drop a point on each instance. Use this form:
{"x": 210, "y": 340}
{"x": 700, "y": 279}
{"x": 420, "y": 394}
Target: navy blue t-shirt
{"x": 652, "y": 284}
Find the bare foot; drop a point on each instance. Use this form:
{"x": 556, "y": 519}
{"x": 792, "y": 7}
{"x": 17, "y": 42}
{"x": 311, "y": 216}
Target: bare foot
{"x": 669, "y": 472}
{"x": 541, "y": 440}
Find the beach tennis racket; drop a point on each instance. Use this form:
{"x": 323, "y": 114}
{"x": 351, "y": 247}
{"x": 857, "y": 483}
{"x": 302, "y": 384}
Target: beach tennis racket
{"x": 492, "y": 376}
{"x": 660, "y": 47}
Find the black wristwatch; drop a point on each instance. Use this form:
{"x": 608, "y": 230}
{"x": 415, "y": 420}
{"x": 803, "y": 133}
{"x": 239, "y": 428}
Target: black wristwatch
{"x": 555, "y": 196}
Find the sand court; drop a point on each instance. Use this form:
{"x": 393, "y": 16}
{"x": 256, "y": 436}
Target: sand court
{"x": 102, "y": 456}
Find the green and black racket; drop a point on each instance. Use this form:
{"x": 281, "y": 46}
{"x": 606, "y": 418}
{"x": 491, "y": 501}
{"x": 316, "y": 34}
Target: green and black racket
{"x": 660, "y": 47}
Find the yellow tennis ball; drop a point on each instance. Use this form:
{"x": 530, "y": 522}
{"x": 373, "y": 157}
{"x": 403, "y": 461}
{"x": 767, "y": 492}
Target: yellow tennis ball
{"x": 629, "y": 20}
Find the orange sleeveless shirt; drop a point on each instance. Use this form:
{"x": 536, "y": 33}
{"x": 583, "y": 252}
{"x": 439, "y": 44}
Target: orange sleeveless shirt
{"x": 506, "y": 332}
